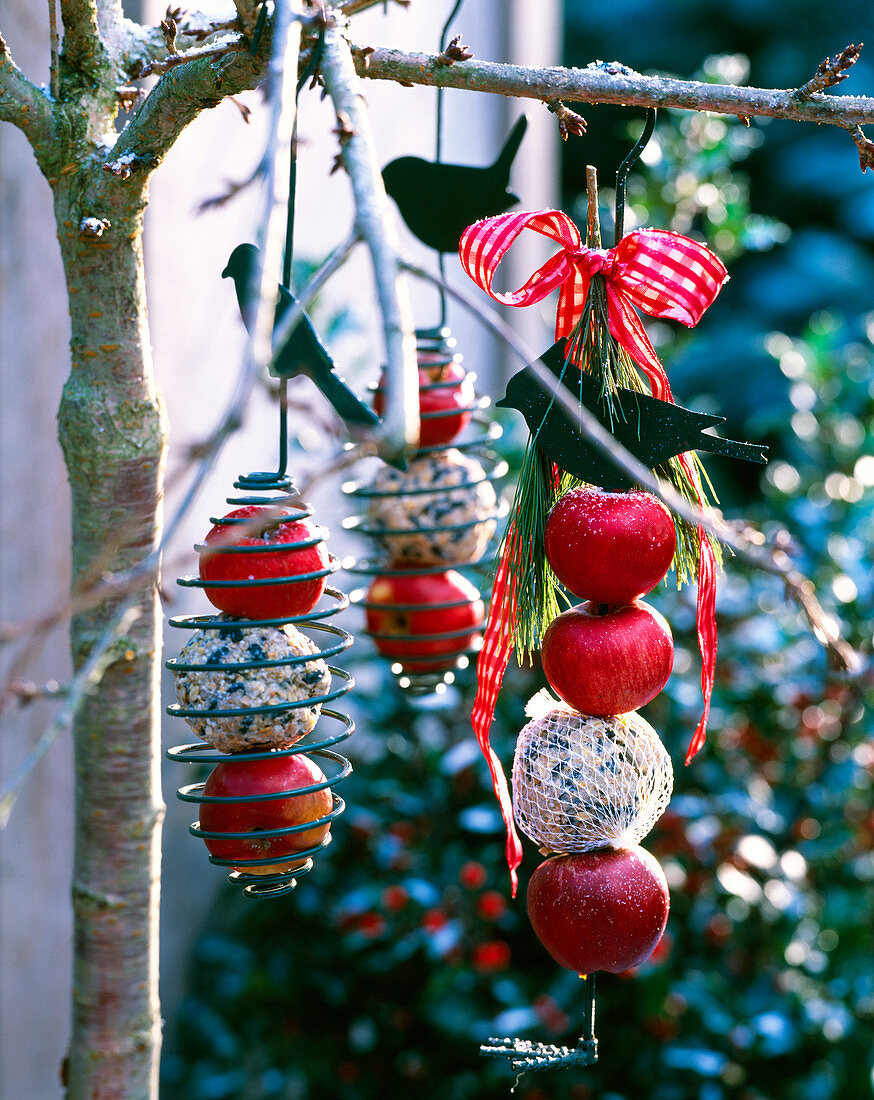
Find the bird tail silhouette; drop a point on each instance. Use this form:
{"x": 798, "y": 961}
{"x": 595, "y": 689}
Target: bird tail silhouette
{"x": 732, "y": 448}
{"x": 511, "y": 146}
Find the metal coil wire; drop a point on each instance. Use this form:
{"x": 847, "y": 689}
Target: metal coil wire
{"x": 327, "y": 639}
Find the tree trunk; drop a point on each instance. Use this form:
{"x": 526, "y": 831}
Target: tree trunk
{"x": 112, "y": 429}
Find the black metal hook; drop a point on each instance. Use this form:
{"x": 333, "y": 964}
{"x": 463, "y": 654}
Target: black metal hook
{"x": 625, "y": 167}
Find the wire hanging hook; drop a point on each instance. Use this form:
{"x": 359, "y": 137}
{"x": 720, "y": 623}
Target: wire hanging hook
{"x": 625, "y": 167}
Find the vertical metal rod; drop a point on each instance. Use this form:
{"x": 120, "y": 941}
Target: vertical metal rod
{"x": 288, "y": 255}
{"x": 438, "y": 150}
{"x": 624, "y": 169}
{"x": 283, "y": 428}
{"x": 589, "y": 1018}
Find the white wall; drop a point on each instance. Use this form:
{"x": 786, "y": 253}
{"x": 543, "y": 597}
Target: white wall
{"x": 36, "y": 848}
{"x": 197, "y": 339}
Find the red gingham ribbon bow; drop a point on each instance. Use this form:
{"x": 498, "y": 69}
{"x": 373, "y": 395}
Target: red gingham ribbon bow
{"x": 662, "y": 273}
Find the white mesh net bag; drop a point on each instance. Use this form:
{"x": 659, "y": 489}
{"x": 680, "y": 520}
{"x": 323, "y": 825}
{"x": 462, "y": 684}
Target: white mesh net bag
{"x": 581, "y": 783}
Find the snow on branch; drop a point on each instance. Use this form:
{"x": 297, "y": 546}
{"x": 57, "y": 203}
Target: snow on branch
{"x": 613, "y": 82}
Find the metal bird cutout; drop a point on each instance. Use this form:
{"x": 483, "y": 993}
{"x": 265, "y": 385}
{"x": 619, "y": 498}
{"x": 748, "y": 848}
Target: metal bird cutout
{"x": 439, "y": 201}
{"x": 304, "y": 352}
{"x": 652, "y": 430}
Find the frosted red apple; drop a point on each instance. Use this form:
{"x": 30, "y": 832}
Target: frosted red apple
{"x": 241, "y": 778}
{"x": 288, "y": 548}
{"x": 602, "y": 910}
{"x": 611, "y": 663}
{"x": 420, "y": 619}
{"x": 609, "y": 547}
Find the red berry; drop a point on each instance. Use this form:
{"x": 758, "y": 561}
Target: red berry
{"x": 370, "y": 925}
{"x": 491, "y": 905}
{"x": 433, "y": 920}
{"x": 491, "y": 956}
{"x": 394, "y": 898}
{"x": 473, "y": 875}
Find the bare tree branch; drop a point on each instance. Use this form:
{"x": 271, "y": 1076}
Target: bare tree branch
{"x": 609, "y": 82}
{"x": 54, "y": 50}
{"x": 831, "y": 71}
{"x": 25, "y": 106}
{"x": 82, "y": 45}
{"x": 400, "y": 428}
{"x": 178, "y": 98}
{"x": 86, "y": 680}
{"x": 352, "y": 7}
{"x": 142, "y": 45}
{"x": 865, "y": 147}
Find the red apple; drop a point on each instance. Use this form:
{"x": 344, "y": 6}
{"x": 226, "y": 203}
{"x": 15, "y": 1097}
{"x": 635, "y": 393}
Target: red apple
{"x": 610, "y": 663}
{"x": 446, "y": 400}
{"x": 602, "y": 910}
{"x": 281, "y": 551}
{"x": 609, "y": 547}
{"x": 422, "y": 620}
{"x": 241, "y": 777}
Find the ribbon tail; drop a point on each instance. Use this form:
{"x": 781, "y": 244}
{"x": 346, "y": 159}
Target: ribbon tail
{"x": 628, "y": 329}
{"x": 705, "y": 616}
{"x": 706, "y": 622}
{"x": 491, "y": 665}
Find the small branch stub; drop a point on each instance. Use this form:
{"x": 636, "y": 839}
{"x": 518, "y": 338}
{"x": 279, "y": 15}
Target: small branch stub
{"x": 593, "y": 227}
{"x": 169, "y": 28}
{"x": 865, "y": 146}
{"x": 455, "y": 51}
{"x": 831, "y": 71}
{"x": 569, "y": 122}
{"x": 129, "y": 97}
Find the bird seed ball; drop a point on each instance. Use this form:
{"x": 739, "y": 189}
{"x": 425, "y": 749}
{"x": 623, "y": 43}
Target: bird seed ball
{"x": 581, "y": 783}
{"x": 232, "y": 687}
{"x": 443, "y": 512}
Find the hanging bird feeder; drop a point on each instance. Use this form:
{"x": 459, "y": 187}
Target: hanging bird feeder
{"x": 429, "y": 523}
{"x": 254, "y": 682}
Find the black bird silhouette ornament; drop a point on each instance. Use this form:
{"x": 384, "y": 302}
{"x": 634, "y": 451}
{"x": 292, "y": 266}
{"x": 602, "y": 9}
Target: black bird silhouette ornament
{"x": 303, "y": 352}
{"x": 439, "y": 201}
{"x": 652, "y": 430}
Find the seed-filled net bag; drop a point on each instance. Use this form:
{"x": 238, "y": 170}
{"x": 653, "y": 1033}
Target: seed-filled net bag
{"x": 581, "y": 783}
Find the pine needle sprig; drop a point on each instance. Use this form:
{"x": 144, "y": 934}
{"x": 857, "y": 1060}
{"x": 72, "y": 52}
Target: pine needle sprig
{"x": 538, "y": 596}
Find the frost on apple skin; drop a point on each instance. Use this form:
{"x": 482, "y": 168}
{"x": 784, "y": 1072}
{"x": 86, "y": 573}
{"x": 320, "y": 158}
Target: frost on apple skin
{"x": 599, "y": 910}
{"x": 609, "y": 547}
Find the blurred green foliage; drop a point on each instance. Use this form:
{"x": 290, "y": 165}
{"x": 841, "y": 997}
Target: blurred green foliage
{"x": 403, "y": 950}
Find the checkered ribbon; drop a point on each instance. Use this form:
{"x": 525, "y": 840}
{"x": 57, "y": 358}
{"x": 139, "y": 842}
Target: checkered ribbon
{"x": 665, "y": 275}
